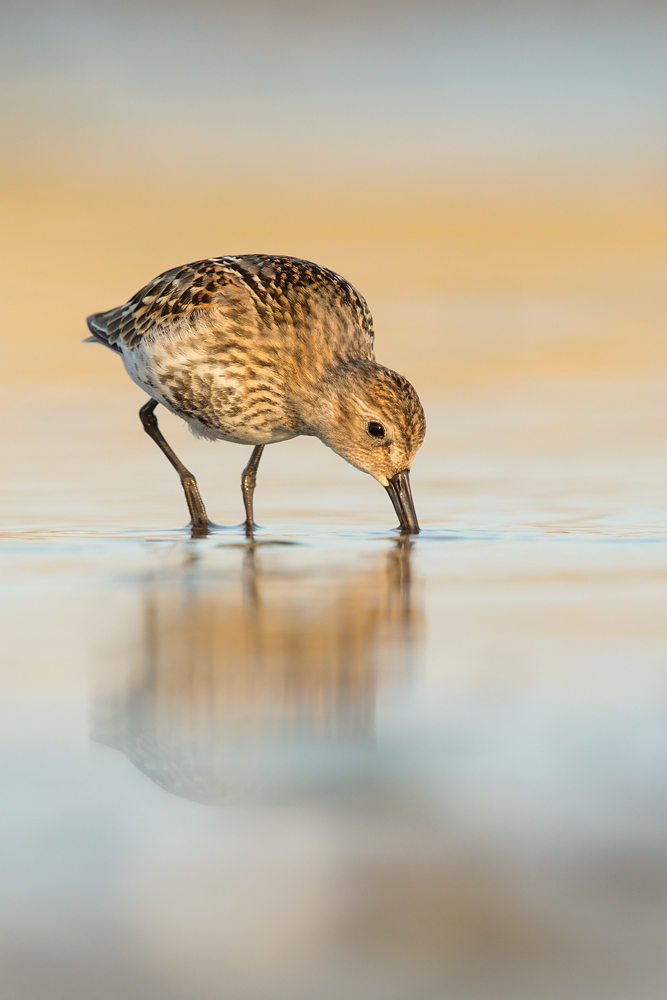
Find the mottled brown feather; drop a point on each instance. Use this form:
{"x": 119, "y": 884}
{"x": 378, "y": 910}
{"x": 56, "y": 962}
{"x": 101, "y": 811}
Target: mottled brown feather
{"x": 283, "y": 289}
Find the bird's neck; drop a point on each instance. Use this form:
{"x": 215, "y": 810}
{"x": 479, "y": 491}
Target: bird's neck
{"x": 327, "y": 400}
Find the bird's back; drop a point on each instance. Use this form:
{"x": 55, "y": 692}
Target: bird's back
{"x": 310, "y": 307}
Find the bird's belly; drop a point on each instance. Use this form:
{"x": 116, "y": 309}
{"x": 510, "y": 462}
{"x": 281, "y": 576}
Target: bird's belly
{"x": 244, "y": 433}
{"x": 216, "y": 401}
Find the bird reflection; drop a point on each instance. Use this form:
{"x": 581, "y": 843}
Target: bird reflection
{"x": 262, "y": 683}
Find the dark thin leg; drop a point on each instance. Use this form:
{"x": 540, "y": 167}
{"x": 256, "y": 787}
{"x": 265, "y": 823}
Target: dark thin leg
{"x": 199, "y": 520}
{"x": 248, "y": 480}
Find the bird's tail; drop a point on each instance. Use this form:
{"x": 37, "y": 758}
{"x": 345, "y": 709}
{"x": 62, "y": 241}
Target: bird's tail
{"x": 98, "y": 327}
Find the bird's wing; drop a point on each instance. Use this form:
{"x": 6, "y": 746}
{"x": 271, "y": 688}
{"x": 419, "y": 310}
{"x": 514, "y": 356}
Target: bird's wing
{"x": 265, "y": 283}
{"x": 172, "y": 295}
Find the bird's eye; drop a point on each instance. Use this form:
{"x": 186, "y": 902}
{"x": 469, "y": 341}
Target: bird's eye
{"x": 375, "y": 430}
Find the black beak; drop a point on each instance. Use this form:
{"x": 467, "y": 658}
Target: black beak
{"x": 398, "y": 489}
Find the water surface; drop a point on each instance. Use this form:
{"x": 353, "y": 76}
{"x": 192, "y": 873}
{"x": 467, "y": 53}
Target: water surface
{"x": 337, "y": 762}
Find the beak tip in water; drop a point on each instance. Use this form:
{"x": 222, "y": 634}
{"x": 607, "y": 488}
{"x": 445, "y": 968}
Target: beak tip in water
{"x": 400, "y": 493}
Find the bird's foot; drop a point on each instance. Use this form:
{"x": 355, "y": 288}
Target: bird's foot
{"x": 201, "y": 529}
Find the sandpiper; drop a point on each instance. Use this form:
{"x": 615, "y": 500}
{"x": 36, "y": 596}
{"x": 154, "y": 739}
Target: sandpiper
{"x": 257, "y": 349}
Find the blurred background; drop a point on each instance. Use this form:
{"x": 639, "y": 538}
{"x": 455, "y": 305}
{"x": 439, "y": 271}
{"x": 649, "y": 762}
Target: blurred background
{"x": 491, "y": 175}
{"x": 338, "y": 763}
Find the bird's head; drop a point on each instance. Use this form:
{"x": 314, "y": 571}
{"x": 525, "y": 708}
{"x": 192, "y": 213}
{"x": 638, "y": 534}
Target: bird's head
{"x": 372, "y": 417}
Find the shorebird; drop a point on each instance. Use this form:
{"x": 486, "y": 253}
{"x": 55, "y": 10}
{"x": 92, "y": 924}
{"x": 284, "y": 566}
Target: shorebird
{"x": 257, "y": 349}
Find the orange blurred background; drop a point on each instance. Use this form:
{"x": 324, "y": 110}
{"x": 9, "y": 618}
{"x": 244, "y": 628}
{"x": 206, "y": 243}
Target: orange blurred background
{"x": 491, "y": 176}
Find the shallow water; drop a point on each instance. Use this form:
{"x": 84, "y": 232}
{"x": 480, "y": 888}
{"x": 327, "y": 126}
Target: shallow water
{"x": 337, "y": 762}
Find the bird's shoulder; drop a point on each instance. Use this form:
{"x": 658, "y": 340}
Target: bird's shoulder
{"x": 270, "y": 285}
{"x": 299, "y": 290}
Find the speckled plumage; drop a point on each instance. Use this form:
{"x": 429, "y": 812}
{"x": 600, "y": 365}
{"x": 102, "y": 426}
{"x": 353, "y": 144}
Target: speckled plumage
{"x": 257, "y": 349}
